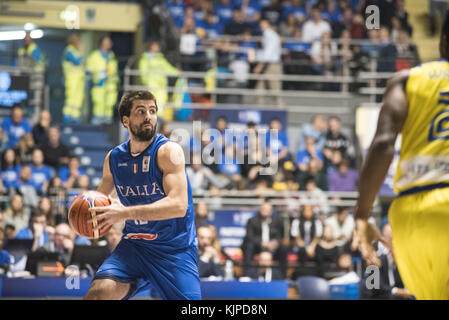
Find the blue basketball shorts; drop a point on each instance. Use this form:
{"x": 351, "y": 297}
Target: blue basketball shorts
{"x": 174, "y": 275}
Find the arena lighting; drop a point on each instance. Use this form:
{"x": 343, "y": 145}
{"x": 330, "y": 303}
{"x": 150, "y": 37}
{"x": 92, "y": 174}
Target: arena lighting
{"x": 29, "y": 26}
{"x": 20, "y": 35}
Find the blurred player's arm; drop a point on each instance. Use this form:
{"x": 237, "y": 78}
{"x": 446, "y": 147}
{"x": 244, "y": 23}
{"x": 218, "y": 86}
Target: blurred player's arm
{"x": 378, "y": 159}
{"x": 106, "y": 184}
{"x": 170, "y": 160}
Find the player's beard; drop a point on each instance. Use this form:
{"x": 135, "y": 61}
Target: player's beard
{"x": 143, "y": 134}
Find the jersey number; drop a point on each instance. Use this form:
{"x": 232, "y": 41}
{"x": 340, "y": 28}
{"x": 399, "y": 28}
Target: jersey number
{"x": 439, "y": 127}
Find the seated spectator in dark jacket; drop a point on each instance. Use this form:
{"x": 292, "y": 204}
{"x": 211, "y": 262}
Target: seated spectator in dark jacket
{"x": 56, "y": 153}
{"x": 264, "y": 232}
{"x": 40, "y": 129}
{"x": 326, "y": 251}
{"x": 265, "y": 271}
{"x": 25, "y": 148}
{"x": 63, "y": 244}
{"x": 35, "y": 230}
{"x": 237, "y": 24}
{"x": 387, "y": 53}
{"x": 208, "y": 256}
{"x": 390, "y": 283}
{"x": 70, "y": 174}
{"x": 344, "y": 179}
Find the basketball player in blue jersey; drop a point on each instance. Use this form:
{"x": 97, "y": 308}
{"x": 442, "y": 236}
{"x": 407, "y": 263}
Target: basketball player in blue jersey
{"x": 159, "y": 244}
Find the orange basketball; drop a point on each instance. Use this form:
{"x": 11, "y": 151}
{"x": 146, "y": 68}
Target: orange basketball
{"x": 79, "y": 214}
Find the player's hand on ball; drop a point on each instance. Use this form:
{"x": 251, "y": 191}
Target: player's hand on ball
{"x": 109, "y": 215}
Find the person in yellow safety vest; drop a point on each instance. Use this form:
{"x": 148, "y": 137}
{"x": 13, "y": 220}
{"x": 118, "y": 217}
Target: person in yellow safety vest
{"x": 151, "y": 64}
{"x": 103, "y": 67}
{"x": 30, "y": 55}
{"x": 72, "y": 65}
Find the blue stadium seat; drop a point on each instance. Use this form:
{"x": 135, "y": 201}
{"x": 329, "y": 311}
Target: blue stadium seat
{"x": 310, "y": 287}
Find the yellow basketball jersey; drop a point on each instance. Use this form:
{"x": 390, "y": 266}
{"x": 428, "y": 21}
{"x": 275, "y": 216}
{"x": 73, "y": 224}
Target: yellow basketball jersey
{"x": 424, "y": 155}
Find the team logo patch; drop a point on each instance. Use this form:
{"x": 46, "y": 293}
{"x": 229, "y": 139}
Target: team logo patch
{"x": 135, "y": 167}
{"x": 144, "y": 236}
{"x": 146, "y": 164}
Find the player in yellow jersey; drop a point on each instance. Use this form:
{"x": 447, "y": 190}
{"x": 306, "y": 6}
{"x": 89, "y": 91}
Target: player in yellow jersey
{"x": 416, "y": 104}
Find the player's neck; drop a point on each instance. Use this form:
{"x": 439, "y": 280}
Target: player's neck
{"x": 137, "y": 147}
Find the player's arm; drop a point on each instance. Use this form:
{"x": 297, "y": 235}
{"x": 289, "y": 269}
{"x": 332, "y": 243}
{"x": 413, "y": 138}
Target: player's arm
{"x": 170, "y": 159}
{"x": 378, "y": 159}
{"x": 106, "y": 184}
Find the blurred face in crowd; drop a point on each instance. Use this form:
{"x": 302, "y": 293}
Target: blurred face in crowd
{"x": 201, "y": 209}
{"x": 265, "y": 259}
{"x": 29, "y": 140}
{"x": 384, "y": 34}
{"x": 45, "y": 118}
{"x": 64, "y": 236}
{"x": 319, "y": 123}
{"x": 310, "y": 144}
{"x": 222, "y": 124}
{"x": 334, "y": 125}
{"x": 45, "y": 204}
{"x": 314, "y": 166}
{"x": 237, "y": 15}
{"x": 386, "y": 232}
{"x": 25, "y": 173}
{"x": 10, "y": 156}
{"x": 155, "y": 47}
{"x": 343, "y": 167}
{"x": 275, "y": 124}
{"x": 311, "y": 185}
{"x": 373, "y": 35}
{"x": 344, "y": 262}
{"x": 342, "y": 215}
{"x": 17, "y": 115}
{"x": 27, "y": 40}
{"x": 83, "y": 181}
{"x": 113, "y": 237}
{"x": 264, "y": 25}
{"x": 402, "y": 37}
{"x": 17, "y": 203}
{"x": 39, "y": 220}
{"x": 106, "y": 44}
{"x": 307, "y": 212}
{"x": 336, "y": 157}
{"x": 74, "y": 163}
{"x": 316, "y": 15}
{"x": 328, "y": 233}
{"x": 205, "y": 237}
{"x": 53, "y": 136}
{"x": 266, "y": 210}
{"x": 38, "y": 157}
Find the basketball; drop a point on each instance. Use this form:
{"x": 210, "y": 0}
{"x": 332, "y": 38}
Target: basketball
{"x": 78, "y": 214}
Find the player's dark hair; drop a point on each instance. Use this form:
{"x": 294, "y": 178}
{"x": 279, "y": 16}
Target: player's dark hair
{"x": 126, "y": 103}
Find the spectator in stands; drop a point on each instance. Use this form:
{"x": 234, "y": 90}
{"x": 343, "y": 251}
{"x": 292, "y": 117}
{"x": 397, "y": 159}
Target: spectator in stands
{"x": 201, "y": 214}
{"x": 272, "y": 12}
{"x": 208, "y": 256}
{"x": 56, "y": 153}
{"x": 313, "y": 29}
{"x": 10, "y": 231}
{"x": 342, "y": 225}
{"x": 317, "y": 129}
{"x": 336, "y": 140}
{"x": 223, "y": 10}
{"x": 113, "y": 237}
{"x": 40, "y": 129}
{"x": 387, "y": 52}
{"x": 297, "y": 9}
{"x": 3, "y": 140}
{"x": 277, "y": 143}
{"x": 176, "y": 8}
{"x": 265, "y": 270}
{"x": 269, "y": 61}
{"x": 70, "y": 174}
{"x": 401, "y": 14}
{"x": 27, "y": 188}
{"x": 200, "y": 176}
{"x": 305, "y": 232}
{"x": 153, "y": 59}
{"x": 5, "y": 257}
{"x": 46, "y": 207}
{"x": 323, "y": 53}
{"x": 264, "y": 232}
{"x": 15, "y": 214}
{"x": 326, "y": 251}
{"x": 344, "y": 179}
{"x": 40, "y": 172}
{"x": 10, "y": 169}
{"x": 288, "y": 28}
{"x": 251, "y": 10}
{"x": 310, "y": 151}
{"x": 317, "y": 196}
{"x": 30, "y": 56}
{"x": 25, "y": 148}
{"x": 391, "y": 286}
{"x": 15, "y": 126}
{"x": 211, "y": 26}
{"x": 408, "y": 55}
{"x": 63, "y": 244}
{"x": 35, "y": 230}
{"x": 315, "y": 172}
{"x": 230, "y": 168}
{"x": 237, "y": 24}
{"x": 372, "y": 47}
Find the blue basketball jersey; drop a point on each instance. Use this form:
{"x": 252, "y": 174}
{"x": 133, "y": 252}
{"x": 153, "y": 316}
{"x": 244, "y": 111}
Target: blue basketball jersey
{"x": 138, "y": 181}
